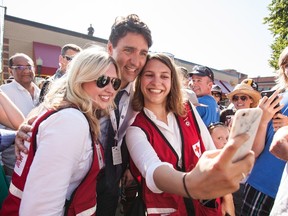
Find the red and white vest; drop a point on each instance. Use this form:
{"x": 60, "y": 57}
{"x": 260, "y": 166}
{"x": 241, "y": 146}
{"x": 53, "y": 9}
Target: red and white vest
{"x": 192, "y": 149}
{"x": 83, "y": 199}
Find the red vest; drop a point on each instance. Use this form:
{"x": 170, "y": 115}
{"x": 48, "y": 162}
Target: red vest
{"x": 192, "y": 149}
{"x": 83, "y": 199}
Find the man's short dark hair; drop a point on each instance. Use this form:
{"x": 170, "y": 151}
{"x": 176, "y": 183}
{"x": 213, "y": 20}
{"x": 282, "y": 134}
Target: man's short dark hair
{"x": 73, "y": 47}
{"x": 131, "y": 23}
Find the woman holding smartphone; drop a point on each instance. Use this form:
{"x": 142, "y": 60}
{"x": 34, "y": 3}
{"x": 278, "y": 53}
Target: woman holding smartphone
{"x": 167, "y": 143}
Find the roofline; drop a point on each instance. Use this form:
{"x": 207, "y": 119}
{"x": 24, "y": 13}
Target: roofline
{"x": 52, "y": 28}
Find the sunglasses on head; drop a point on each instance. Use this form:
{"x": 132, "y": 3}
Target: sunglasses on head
{"x": 103, "y": 81}
{"x": 68, "y": 58}
{"x": 215, "y": 124}
{"x": 242, "y": 98}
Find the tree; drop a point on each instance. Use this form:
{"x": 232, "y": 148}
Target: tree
{"x": 278, "y": 25}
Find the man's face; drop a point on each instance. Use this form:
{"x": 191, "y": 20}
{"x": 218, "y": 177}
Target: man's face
{"x": 201, "y": 85}
{"x": 130, "y": 53}
{"x": 23, "y": 75}
{"x": 66, "y": 58}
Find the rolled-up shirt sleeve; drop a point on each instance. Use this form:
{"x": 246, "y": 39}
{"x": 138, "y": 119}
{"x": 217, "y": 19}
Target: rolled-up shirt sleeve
{"x": 143, "y": 155}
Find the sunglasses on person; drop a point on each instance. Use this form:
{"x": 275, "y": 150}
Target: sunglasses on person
{"x": 68, "y": 58}
{"x": 22, "y": 67}
{"x": 216, "y": 94}
{"x": 242, "y": 98}
{"x": 103, "y": 81}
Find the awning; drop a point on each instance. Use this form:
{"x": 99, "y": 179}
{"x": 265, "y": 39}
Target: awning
{"x": 49, "y": 54}
{"x": 223, "y": 88}
{"x": 227, "y": 85}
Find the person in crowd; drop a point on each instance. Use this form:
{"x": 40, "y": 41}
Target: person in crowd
{"x": 68, "y": 51}
{"x": 167, "y": 143}
{"x": 128, "y": 44}
{"x": 279, "y": 148}
{"x": 282, "y": 74}
{"x": 220, "y": 134}
{"x": 226, "y": 116}
{"x": 262, "y": 184}
{"x": 40, "y": 82}
{"x": 68, "y": 123}
{"x": 184, "y": 76}
{"x": 24, "y": 93}
{"x": 216, "y": 92}
{"x": 243, "y": 96}
{"x": 202, "y": 82}
{"x": 9, "y": 80}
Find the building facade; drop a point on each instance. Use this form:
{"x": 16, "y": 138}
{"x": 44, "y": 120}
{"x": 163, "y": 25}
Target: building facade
{"x": 43, "y": 44}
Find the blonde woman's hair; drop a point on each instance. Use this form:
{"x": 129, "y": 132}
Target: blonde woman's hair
{"x": 174, "y": 102}
{"x": 86, "y": 66}
{"x": 281, "y": 77}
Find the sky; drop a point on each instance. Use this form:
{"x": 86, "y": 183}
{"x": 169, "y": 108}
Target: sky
{"x": 221, "y": 34}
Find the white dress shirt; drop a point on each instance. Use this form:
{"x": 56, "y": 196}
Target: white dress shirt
{"x": 143, "y": 154}
{"x": 62, "y": 159}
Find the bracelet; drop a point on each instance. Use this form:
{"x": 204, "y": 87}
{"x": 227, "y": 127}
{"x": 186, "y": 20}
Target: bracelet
{"x": 185, "y": 188}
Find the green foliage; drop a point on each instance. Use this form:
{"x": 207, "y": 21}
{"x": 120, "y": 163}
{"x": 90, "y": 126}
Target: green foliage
{"x": 278, "y": 25}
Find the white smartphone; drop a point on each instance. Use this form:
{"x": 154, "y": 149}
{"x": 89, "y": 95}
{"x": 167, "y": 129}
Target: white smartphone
{"x": 245, "y": 121}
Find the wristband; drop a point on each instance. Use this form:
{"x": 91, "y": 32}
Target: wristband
{"x": 185, "y": 188}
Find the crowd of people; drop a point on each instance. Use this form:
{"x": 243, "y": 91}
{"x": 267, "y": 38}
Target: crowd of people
{"x": 125, "y": 124}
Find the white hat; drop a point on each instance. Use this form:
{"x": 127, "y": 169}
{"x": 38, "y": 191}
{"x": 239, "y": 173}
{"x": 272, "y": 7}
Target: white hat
{"x": 216, "y": 88}
{"x": 192, "y": 97}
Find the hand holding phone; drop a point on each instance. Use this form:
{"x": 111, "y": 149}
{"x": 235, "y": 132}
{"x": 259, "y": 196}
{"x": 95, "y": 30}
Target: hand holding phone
{"x": 245, "y": 121}
{"x": 268, "y": 93}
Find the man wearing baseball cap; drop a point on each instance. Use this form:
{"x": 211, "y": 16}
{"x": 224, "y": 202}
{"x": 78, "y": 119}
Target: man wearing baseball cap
{"x": 216, "y": 92}
{"x": 202, "y": 82}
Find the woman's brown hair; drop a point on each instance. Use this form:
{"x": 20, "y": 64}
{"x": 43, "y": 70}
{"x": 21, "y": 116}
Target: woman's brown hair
{"x": 174, "y": 98}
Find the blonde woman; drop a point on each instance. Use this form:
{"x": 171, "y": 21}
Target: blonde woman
{"x": 67, "y": 148}
{"x": 282, "y": 73}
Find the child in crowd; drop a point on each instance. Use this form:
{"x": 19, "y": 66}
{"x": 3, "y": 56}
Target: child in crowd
{"x": 220, "y": 133}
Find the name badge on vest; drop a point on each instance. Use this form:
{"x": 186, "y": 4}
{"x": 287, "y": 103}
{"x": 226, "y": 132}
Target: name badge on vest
{"x": 116, "y": 155}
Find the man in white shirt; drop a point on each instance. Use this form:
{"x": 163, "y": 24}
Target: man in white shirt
{"x": 24, "y": 93}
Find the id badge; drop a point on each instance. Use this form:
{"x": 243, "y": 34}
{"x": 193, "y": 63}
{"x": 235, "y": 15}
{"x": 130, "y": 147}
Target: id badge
{"x": 116, "y": 155}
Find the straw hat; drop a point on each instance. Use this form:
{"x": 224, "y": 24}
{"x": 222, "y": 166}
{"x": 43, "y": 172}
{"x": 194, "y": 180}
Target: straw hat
{"x": 243, "y": 88}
